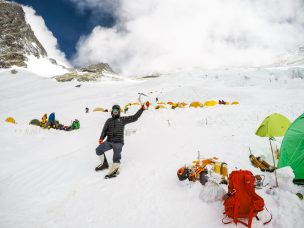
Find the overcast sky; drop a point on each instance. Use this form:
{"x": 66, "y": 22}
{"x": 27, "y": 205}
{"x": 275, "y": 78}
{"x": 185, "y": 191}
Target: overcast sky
{"x": 148, "y": 36}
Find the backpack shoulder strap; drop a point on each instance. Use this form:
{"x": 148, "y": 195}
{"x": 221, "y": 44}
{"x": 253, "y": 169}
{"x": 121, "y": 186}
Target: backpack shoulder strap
{"x": 270, "y": 217}
{"x": 249, "y": 180}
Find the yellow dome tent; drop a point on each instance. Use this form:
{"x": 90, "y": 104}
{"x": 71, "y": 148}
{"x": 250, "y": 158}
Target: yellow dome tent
{"x": 210, "y": 103}
{"x": 181, "y": 104}
{"x": 159, "y": 107}
{"x": 196, "y": 104}
{"x": 174, "y": 105}
{"x": 10, "y": 120}
{"x": 98, "y": 109}
{"x": 170, "y": 103}
{"x": 235, "y": 103}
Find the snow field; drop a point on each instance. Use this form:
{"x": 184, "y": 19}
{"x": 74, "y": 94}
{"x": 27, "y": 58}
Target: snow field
{"x": 47, "y": 177}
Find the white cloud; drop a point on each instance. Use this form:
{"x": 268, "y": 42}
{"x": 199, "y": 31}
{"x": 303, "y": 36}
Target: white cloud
{"x": 164, "y": 35}
{"x": 44, "y": 35}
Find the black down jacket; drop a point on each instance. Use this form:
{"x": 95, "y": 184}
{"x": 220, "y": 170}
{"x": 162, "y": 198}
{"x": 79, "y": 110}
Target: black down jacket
{"x": 114, "y": 127}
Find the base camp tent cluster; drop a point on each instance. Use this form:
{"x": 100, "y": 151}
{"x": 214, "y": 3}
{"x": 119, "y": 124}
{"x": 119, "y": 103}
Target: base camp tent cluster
{"x": 172, "y": 105}
{"x": 50, "y": 122}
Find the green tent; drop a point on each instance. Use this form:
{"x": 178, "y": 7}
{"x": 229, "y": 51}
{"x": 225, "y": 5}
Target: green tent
{"x": 292, "y": 148}
{"x": 35, "y": 122}
{"x": 274, "y": 125}
{"x": 75, "y": 124}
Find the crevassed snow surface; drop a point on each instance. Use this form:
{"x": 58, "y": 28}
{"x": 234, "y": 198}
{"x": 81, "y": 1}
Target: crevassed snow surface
{"x": 47, "y": 177}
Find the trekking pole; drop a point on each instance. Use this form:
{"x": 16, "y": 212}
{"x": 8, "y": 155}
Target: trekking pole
{"x": 275, "y": 169}
{"x": 250, "y": 151}
{"x": 198, "y": 156}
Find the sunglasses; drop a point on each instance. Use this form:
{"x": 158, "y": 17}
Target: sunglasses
{"x": 115, "y": 111}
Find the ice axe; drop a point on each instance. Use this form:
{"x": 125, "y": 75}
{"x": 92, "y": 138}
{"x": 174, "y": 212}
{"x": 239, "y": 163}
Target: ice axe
{"x": 139, "y": 97}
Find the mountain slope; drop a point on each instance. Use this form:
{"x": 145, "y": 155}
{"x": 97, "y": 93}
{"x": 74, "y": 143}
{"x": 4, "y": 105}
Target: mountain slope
{"x": 47, "y": 177}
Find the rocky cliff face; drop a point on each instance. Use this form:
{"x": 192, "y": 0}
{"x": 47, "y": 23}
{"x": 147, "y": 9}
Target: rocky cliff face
{"x": 17, "y": 40}
{"x": 89, "y": 73}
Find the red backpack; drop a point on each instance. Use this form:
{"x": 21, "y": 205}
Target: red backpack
{"x": 241, "y": 200}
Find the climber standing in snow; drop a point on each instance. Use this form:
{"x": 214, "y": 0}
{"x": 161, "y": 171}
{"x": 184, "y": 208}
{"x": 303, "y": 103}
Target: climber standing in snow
{"x": 114, "y": 131}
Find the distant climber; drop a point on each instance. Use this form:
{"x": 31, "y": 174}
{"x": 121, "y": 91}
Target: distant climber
{"x": 51, "y": 123}
{"x": 43, "y": 120}
{"x": 86, "y": 110}
{"x": 75, "y": 125}
{"x": 221, "y": 102}
{"x": 114, "y": 131}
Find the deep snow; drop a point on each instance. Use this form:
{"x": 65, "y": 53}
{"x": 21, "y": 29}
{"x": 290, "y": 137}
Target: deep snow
{"x": 47, "y": 177}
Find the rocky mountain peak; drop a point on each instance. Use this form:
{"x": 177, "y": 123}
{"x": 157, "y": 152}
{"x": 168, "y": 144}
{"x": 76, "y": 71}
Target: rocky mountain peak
{"x": 17, "y": 39}
{"x": 97, "y": 68}
{"x": 89, "y": 73}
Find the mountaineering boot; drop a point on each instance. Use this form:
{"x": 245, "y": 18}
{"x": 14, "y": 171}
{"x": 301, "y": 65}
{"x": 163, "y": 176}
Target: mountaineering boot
{"x": 104, "y": 163}
{"x": 113, "y": 172}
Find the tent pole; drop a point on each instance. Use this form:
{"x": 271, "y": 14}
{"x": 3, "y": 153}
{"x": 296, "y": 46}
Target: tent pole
{"x": 274, "y": 165}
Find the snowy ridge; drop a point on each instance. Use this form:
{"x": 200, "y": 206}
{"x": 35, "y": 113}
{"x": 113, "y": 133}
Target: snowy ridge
{"x": 47, "y": 177}
{"x": 291, "y": 59}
